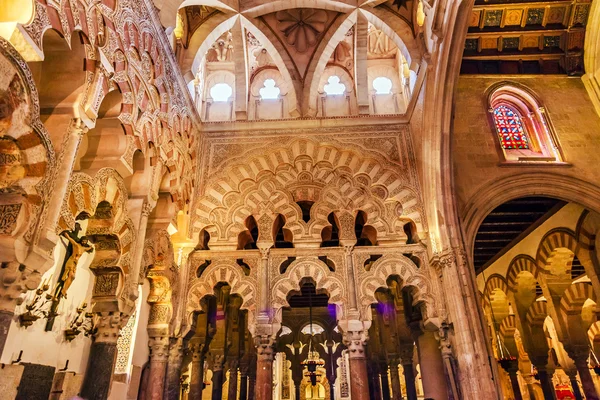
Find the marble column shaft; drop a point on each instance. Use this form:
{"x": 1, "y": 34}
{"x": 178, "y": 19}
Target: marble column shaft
{"x": 99, "y": 372}
{"x": 159, "y": 354}
{"x": 586, "y": 377}
{"x": 244, "y": 387}
{"x": 545, "y": 378}
{"x": 395, "y": 378}
{"x": 355, "y": 341}
{"x": 251, "y": 387}
{"x": 264, "y": 377}
{"x": 432, "y": 366}
{"x": 174, "y": 365}
{"x": 102, "y": 358}
{"x": 514, "y": 382}
{"x": 233, "y": 383}
{"x": 409, "y": 377}
{"x": 385, "y": 383}
{"x": 197, "y": 375}
{"x": 217, "y": 383}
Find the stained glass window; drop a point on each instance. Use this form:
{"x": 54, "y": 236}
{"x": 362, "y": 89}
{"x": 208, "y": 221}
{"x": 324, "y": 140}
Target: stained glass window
{"x": 509, "y": 128}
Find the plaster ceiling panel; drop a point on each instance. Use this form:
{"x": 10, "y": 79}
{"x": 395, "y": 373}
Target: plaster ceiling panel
{"x": 300, "y": 31}
{"x": 513, "y": 17}
{"x": 489, "y": 43}
{"x": 531, "y": 41}
{"x": 475, "y": 17}
{"x": 556, "y": 15}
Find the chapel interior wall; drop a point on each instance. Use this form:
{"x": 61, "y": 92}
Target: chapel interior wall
{"x": 477, "y": 161}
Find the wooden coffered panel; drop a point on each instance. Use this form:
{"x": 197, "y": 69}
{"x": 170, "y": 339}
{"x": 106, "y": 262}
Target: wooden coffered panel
{"x": 543, "y": 37}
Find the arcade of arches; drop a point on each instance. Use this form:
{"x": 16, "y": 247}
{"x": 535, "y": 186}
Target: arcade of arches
{"x": 289, "y": 200}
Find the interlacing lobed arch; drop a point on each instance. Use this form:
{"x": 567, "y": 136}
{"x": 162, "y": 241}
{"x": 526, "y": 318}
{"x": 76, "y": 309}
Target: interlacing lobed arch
{"x": 335, "y": 178}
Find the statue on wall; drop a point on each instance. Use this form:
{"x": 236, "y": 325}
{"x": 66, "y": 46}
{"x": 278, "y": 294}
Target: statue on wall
{"x": 75, "y": 248}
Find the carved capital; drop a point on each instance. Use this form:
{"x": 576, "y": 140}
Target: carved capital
{"x": 355, "y": 341}
{"x": 108, "y": 326}
{"x": 217, "y": 360}
{"x": 147, "y": 208}
{"x": 77, "y": 127}
{"x": 159, "y": 348}
{"x": 348, "y": 249}
{"x": 264, "y": 347}
{"x": 264, "y": 252}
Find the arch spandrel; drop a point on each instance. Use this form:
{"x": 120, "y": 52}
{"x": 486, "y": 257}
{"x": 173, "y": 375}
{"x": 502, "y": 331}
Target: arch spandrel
{"x": 397, "y": 265}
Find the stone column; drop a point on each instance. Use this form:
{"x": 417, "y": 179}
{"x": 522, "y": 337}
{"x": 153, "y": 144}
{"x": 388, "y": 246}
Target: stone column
{"x": 263, "y": 286}
{"x": 159, "y": 355}
{"x": 432, "y": 366}
{"x": 251, "y": 385}
{"x": 197, "y": 374}
{"x": 264, "y": 368}
{"x": 572, "y": 374}
{"x": 355, "y": 341}
{"x": 102, "y": 358}
{"x": 545, "y": 377}
{"x": 172, "y": 387}
{"x": 511, "y": 367}
{"x": 587, "y": 381}
{"x": 217, "y": 379}
{"x": 233, "y": 381}
{"x": 385, "y": 383}
{"x": 406, "y": 358}
{"x": 395, "y": 378}
{"x": 244, "y": 387}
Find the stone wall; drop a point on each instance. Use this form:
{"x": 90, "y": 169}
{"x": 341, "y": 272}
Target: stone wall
{"x": 475, "y": 148}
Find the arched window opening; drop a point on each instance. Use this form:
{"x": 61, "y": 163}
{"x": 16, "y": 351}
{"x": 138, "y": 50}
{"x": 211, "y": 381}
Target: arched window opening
{"x": 369, "y": 261}
{"x": 365, "y": 235}
{"x": 330, "y": 234}
{"x": 247, "y": 239}
{"x": 202, "y": 267}
{"x": 305, "y": 206}
{"x": 410, "y": 229}
{"x": 245, "y": 267}
{"x": 269, "y": 91}
{"x": 521, "y": 123}
{"x": 334, "y": 86}
{"x": 204, "y": 239}
{"x": 221, "y": 92}
{"x": 283, "y": 236}
{"x": 284, "y": 265}
{"x": 510, "y": 128}
{"x": 328, "y": 262}
{"x": 382, "y": 85}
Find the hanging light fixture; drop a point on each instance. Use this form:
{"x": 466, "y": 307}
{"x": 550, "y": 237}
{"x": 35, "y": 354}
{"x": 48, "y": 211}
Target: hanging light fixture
{"x": 313, "y": 361}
